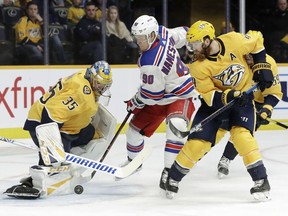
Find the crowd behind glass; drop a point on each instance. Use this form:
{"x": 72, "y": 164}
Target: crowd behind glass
{"x": 75, "y": 32}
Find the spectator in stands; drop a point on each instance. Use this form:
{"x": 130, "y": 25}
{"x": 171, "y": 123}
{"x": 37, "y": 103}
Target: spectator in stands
{"x": 119, "y": 38}
{"x": 276, "y": 32}
{"x": 21, "y": 3}
{"x": 59, "y": 13}
{"x": 4, "y": 3}
{"x": 28, "y": 34}
{"x": 75, "y": 13}
{"x": 88, "y": 37}
{"x": 58, "y": 3}
{"x": 98, "y": 9}
{"x": 223, "y": 28}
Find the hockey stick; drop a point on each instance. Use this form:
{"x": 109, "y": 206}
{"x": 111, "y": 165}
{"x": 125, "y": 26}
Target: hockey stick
{"x": 121, "y": 172}
{"x": 277, "y": 123}
{"x": 113, "y": 140}
{"x": 197, "y": 127}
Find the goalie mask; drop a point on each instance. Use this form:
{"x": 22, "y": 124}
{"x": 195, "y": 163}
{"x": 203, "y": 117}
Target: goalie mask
{"x": 100, "y": 77}
{"x": 198, "y": 32}
{"x": 143, "y": 27}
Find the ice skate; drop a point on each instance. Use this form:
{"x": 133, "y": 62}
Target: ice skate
{"x": 126, "y": 163}
{"x": 261, "y": 190}
{"x": 163, "y": 178}
{"x": 23, "y": 191}
{"x": 171, "y": 187}
{"x": 223, "y": 167}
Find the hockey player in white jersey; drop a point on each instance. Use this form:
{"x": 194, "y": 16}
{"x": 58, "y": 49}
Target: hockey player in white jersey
{"x": 166, "y": 90}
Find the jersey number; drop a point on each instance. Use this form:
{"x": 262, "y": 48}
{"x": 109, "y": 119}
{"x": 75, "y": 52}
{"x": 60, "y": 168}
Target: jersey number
{"x": 181, "y": 68}
{"x": 52, "y": 92}
{"x": 148, "y": 79}
{"x": 70, "y": 103}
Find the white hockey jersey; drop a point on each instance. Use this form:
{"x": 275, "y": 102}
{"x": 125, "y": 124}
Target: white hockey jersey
{"x": 165, "y": 78}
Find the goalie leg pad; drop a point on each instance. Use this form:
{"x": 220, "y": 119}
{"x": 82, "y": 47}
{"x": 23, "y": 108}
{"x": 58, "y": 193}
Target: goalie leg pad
{"x": 50, "y": 143}
{"x": 52, "y": 181}
{"x": 93, "y": 150}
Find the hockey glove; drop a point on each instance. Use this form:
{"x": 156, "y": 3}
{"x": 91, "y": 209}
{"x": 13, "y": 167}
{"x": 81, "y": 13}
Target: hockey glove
{"x": 263, "y": 75}
{"x": 229, "y": 95}
{"x": 264, "y": 113}
{"x": 134, "y": 105}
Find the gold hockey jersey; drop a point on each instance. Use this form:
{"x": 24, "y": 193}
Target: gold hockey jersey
{"x": 275, "y": 90}
{"x": 26, "y": 30}
{"x": 228, "y": 69}
{"x": 71, "y": 103}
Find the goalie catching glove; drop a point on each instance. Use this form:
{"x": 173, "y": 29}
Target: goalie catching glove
{"x": 263, "y": 75}
{"x": 134, "y": 105}
{"x": 264, "y": 113}
{"x": 229, "y": 95}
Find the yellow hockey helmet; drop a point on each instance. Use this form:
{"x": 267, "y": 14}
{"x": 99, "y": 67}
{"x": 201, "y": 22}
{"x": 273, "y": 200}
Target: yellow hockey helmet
{"x": 199, "y": 30}
{"x": 256, "y": 33}
{"x": 100, "y": 77}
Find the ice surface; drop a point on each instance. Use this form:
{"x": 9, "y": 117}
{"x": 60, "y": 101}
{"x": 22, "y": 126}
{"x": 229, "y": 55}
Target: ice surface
{"x": 201, "y": 193}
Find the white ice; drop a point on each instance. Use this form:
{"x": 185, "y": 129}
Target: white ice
{"x": 201, "y": 193}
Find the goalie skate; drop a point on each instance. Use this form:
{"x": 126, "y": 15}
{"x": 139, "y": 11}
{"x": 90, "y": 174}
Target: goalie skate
{"x": 261, "y": 190}
{"x": 223, "y": 167}
{"x": 23, "y": 191}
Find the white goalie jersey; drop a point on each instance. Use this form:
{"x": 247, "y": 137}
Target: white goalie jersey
{"x": 165, "y": 78}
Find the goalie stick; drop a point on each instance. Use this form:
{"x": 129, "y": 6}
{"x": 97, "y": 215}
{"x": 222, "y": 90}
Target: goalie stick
{"x": 197, "y": 127}
{"x": 277, "y": 123}
{"x": 121, "y": 172}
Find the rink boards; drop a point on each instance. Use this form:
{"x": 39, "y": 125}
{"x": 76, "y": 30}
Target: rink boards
{"x": 22, "y": 86}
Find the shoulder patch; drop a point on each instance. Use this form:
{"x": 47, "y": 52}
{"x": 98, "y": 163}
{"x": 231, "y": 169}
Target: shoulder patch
{"x": 86, "y": 90}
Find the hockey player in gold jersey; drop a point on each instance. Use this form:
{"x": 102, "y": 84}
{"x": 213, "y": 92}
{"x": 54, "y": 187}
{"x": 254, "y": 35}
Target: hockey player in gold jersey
{"x": 264, "y": 101}
{"x": 221, "y": 75}
{"x": 67, "y": 110}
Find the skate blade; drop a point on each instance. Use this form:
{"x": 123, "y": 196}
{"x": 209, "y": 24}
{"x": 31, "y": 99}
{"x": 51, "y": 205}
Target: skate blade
{"x": 162, "y": 192}
{"x": 170, "y": 195}
{"x": 22, "y": 195}
{"x": 221, "y": 175}
{"x": 262, "y": 196}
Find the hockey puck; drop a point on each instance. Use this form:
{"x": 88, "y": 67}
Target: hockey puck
{"x": 78, "y": 189}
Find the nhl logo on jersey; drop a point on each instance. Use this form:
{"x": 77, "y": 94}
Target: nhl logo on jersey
{"x": 86, "y": 90}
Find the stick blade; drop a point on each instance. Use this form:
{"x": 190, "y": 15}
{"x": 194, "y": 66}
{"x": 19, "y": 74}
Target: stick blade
{"x": 127, "y": 170}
